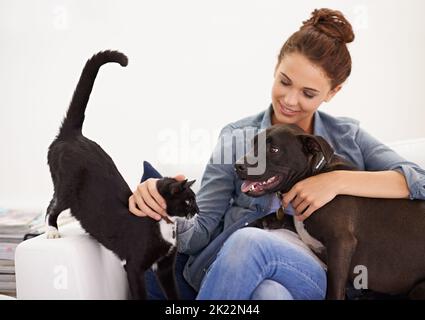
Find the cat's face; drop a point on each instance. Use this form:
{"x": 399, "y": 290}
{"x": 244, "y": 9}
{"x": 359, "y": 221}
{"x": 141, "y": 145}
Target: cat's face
{"x": 180, "y": 198}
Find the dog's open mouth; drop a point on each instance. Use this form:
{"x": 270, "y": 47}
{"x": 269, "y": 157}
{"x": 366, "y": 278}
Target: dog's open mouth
{"x": 256, "y": 188}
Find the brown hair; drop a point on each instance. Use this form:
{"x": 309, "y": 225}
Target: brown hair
{"x": 322, "y": 39}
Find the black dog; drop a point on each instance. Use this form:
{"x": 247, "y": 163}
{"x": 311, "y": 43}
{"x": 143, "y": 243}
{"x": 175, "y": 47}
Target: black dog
{"x": 87, "y": 181}
{"x": 387, "y": 236}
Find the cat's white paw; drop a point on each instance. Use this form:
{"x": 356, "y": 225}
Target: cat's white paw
{"x": 52, "y": 233}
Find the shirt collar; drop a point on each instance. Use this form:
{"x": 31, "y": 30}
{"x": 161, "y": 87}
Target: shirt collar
{"x": 266, "y": 122}
{"x": 319, "y": 128}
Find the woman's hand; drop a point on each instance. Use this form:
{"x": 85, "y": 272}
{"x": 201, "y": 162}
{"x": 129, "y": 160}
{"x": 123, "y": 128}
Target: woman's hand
{"x": 312, "y": 193}
{"x": 146, "y": 200}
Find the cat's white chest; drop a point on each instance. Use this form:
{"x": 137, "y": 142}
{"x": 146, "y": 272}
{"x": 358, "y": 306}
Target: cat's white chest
{"x": 169, "y": 231}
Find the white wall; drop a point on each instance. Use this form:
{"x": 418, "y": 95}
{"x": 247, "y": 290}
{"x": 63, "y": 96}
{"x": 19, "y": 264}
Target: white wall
{"x": 194, "y": 66}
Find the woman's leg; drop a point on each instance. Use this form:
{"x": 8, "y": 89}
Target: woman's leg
{"x": 251, "y": 255}
{"x": 271, "y": 290}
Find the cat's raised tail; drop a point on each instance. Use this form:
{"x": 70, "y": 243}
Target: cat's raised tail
{"x": 73, "y": 121}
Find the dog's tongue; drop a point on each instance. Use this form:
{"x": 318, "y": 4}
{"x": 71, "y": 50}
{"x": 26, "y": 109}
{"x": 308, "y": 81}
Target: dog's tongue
{"x": 246, "y": 185}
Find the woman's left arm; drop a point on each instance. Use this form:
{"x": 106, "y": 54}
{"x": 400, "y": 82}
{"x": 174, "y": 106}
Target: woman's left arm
{"x": 377, "y": 184}
{"x": 390, "y": 176}
{"x": 379, "y": 157}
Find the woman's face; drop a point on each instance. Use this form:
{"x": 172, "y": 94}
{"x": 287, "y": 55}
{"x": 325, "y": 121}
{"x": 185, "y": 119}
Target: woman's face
{"x": 298, "y": 90}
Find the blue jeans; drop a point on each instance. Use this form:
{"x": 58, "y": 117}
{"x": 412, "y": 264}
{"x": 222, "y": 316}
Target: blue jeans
{"x": 255, "y": 264}
{"x": 267, "y": 290}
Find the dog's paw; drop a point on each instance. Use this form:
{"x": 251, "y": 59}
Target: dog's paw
{"x": 52, "y": 233}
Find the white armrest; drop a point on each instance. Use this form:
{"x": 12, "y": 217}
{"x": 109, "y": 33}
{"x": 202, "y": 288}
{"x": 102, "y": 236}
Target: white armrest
{"x": 74, "y": 266}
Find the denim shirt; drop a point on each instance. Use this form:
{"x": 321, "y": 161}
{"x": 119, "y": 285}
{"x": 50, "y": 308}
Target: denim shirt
{"x": 224, "y": 208}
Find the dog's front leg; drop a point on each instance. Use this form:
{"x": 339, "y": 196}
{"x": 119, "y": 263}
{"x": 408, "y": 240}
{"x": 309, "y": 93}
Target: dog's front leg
{"x": 339, "y": 252}
{"x": 166, "y": 275}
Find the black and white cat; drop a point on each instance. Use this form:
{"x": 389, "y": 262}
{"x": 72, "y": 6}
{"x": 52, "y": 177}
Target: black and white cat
{"x": 87, "y": 181}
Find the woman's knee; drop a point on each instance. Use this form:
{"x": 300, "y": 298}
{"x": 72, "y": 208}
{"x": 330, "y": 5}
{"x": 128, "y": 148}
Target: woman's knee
{"x": 244, "y": 240}
{"x": 240, "y": 247}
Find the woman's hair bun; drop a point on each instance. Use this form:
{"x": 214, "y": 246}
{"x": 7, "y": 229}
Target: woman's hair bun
{"x": 332, "y": 23}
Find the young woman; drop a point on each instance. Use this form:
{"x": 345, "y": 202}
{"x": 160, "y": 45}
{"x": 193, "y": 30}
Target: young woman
{"x": 230, "y": 261}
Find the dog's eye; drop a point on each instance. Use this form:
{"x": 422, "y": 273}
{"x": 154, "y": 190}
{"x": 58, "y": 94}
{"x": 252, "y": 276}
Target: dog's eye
{"x": 274, "y": 149}
{"x": 187, "y": 202}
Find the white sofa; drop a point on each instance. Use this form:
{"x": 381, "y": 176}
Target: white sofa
{"x": 78, "y": 267}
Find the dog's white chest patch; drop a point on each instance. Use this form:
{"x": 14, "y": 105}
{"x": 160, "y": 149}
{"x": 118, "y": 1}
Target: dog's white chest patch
{"x": 311, "y": 242}
{"x": 169, "y": 231}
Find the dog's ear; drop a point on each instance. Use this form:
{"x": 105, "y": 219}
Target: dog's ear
{"x": 319, "y": 148}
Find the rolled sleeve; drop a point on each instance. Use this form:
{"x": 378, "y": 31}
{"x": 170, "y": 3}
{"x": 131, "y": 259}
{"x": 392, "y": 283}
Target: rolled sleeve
{"x": 415, "y": 177}
{"x": 185, "y": 230}
{"x": 378, "y": 157}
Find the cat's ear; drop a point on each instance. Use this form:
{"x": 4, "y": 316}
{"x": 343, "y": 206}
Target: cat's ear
{"x": 177, "y": 186}
{"x": 189, "y": 184}
{"x": 174, "y": 188}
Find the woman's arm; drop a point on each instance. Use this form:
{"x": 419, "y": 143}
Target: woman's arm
{"x": 379, "y": 157}
{"x": 314, "y": 192}
{"x": 213, "y": 198}
{"x": 378, "y": 184}
{"x": 387, "y": 175}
